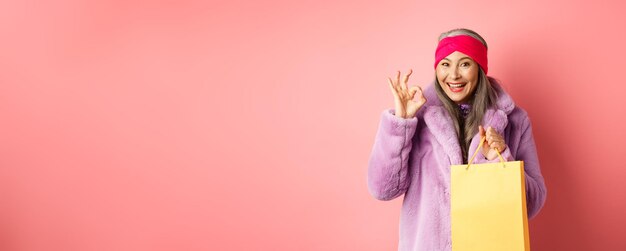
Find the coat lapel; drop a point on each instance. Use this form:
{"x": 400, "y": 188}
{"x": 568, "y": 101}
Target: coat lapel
{"x": 439, "y": 121}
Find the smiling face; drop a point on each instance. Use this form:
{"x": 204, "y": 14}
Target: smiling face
{"x": 457, "y": 75}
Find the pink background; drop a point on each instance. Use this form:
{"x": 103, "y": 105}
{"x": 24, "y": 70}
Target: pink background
{"x": 241, "y": 125}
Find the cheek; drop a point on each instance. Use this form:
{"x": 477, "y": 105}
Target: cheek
{"x": 471, "y": 74}
{"x": 441, "y": 79}
{"x": 441, "y": 74}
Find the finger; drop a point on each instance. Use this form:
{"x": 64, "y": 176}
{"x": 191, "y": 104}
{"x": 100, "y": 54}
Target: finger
{"x": 421, "y": 92}
{"x": 394, "y": 84}
{"x": 492, "y": 133}
{"x": 481, "y": 131}
{"x": 413, "y": 90}
{"x": 402, "y": 85}
{"x": 494, "y": 138}
{"x": 498, "y": 145}
{"x": 393, "y": 88}
{"x": 494, "y": 144}
{"x": 406, "y": 78}
{"x": 398, "y": 79}
{"x": 390, "y": 82}
{"x": 503, "y": 147}
{"x": 494, "y": 147}
{"x": 393, "y": 91}
{"x": 496, "y": 141}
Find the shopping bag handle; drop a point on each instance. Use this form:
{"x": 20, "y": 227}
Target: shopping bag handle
{"x": 480, "y": 146}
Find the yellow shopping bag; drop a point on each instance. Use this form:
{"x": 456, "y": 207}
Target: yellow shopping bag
{"x": 488, "y": 206}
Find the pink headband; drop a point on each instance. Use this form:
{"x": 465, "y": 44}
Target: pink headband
{"x": 464, "y": 44}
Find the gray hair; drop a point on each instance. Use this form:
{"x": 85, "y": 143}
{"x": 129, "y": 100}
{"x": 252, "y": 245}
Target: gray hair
{"x": 484, "y": 96}
{"x": 462, "y": 31}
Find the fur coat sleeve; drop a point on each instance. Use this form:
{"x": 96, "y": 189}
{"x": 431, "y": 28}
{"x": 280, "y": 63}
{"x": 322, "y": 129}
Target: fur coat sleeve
{"x": 388, "y": 164}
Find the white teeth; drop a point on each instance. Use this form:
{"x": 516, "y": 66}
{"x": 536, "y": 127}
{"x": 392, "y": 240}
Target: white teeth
{"x": 456, "y": 85}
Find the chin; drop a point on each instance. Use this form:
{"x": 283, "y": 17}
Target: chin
{"x": 457, "y": 98}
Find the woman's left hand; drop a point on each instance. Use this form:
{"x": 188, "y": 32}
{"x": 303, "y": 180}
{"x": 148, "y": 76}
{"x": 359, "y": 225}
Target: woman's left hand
{"x": 495, "y": 142}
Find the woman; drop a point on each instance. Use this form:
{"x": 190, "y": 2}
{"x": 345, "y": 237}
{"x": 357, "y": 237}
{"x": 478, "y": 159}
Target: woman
{"x": 428, "y": 131}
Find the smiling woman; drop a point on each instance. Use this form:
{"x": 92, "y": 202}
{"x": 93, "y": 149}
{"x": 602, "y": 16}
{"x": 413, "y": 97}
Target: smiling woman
{"x": 457, "y": 76}
{"x": 430, "y": 130}
{"x": 461, "y": 67}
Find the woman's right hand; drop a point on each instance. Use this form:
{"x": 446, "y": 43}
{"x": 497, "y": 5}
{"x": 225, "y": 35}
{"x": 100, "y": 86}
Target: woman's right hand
{"x": 403, "y": 96}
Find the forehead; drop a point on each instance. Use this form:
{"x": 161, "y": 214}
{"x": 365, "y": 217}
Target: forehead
{"x": 457, "y": 56}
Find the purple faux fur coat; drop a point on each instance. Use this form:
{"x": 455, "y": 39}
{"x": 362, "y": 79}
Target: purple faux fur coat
{"x": 413, "y": 157}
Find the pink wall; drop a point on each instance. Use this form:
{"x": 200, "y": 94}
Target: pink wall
{"x": 226, "y": 125}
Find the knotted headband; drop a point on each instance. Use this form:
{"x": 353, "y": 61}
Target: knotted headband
{"x": 465, "y": 44}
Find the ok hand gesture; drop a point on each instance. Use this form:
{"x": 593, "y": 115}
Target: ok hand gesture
{"x": 404, "y": 96}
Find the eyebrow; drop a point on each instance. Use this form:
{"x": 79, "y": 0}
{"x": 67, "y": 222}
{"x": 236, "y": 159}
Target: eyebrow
{"x": 459, "y": 59}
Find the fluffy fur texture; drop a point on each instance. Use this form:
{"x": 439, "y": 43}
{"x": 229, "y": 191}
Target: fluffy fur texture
{"x": 413, "y": 157}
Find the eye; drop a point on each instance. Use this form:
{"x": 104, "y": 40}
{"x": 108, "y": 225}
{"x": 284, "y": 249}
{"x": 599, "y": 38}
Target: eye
{"x": 465, "y": 64}
{"x": 444, "y": 64}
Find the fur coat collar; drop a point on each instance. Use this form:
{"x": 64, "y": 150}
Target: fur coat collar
{"x": 439, "y": 121}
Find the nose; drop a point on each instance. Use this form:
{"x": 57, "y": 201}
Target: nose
{"x": 454, "y": 73}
